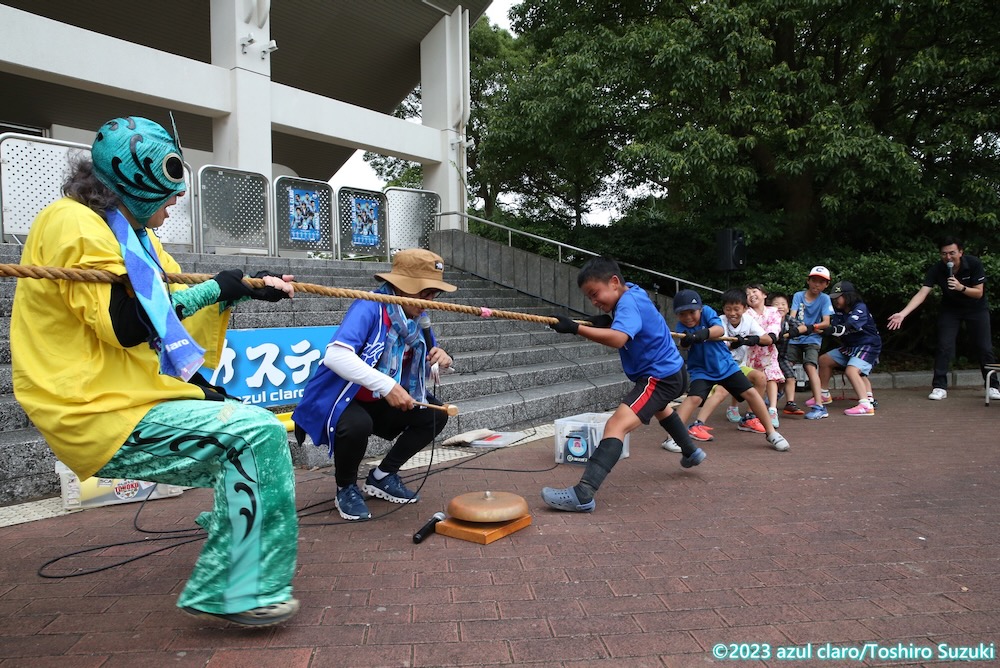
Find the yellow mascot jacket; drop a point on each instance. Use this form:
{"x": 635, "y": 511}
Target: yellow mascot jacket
{"x": 80, "y": 388}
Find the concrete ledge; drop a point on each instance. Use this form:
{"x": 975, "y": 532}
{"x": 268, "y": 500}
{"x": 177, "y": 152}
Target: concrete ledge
{"x": 909, "y": 379}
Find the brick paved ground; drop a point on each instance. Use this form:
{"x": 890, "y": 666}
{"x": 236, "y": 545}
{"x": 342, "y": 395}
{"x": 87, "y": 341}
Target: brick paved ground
{"x": 880, "y": 530}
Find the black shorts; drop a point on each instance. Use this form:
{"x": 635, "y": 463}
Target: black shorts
{"x": 735, "y": 384}
{"x": 651, "y": 395}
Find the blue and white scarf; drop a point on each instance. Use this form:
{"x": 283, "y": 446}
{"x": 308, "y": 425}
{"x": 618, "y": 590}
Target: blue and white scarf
{"x": 180, "y": 355}
{"x": 404, "y": 332}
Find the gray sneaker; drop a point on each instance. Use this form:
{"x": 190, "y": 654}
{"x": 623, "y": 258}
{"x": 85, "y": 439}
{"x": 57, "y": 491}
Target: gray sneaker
{"x": 266, "y": 615}
{"x": 777, "y": 441}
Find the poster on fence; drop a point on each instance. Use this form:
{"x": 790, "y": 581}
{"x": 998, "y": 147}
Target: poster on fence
{"x": 364, "y": 221}
{"x": 270, "y": 366}
{"x": 303, "y": 215}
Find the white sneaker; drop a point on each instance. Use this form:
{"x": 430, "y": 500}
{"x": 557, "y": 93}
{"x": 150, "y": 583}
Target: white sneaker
{"x": 937, "y": 394}
{"x": 994, "y": 394}
{"x": 777, "y": 441}
{"x": 671, "y": 445}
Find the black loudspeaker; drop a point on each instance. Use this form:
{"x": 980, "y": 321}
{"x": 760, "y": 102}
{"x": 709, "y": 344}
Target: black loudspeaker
{"x": 730, "y": 250}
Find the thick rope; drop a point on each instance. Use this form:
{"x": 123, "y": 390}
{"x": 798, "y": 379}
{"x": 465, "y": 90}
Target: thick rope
{"x": 102, "y": 276}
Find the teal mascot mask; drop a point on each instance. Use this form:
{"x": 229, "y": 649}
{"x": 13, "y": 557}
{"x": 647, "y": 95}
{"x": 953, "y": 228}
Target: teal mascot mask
{"x": 140, "y": 162}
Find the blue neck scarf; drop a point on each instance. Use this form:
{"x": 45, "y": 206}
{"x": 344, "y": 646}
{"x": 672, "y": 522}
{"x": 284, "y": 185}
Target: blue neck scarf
{"x": 180, "y": 355}
{"x": 404, "y": 332}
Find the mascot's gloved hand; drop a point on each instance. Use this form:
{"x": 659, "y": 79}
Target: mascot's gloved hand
{"x": 267, "y": 293}
{"x": 232, "y": 288}
{"x": 603, "y": 321}
{"x": 564, "y": 325}
{"x": 231, "y": 285}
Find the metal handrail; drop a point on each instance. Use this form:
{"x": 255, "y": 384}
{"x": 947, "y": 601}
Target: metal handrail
{"x": 678, "y": 282}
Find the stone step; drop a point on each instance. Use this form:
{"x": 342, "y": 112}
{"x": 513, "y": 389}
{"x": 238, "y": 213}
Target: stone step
{"x": 460, "y": 386}
{"x": 508, "y": 411}
{"x": 27, "y": 467}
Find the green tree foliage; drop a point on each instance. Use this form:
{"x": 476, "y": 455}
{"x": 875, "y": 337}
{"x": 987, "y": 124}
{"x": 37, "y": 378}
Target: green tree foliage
{"x": 808, "y": 123}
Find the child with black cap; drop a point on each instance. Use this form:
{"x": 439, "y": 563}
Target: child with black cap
{"x": 860, "y": 345}
{"x": 650, "y": 359}
{"x": 710, "y": 363}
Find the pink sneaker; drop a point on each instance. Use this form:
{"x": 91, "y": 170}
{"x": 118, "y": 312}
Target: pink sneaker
{"x": 827, "y": 399}
{"x": 860, "y": 409}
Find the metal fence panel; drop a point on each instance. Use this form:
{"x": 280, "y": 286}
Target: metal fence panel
{"x": 412, "y": 216}
{"x": 303, "y": 215}
{"x": 361, "y": 219}
{"x": 32, "y": 173}
{"x": 234, "y": 211}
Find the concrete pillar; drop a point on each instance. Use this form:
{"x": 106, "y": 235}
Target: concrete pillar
{"x": 241, "y": 44}
{"x": 444, "y": 80}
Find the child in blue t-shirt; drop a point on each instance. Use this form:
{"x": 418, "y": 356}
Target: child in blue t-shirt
{"x": 650, "y": 359}
{"x": 710, "y": 363}
{"x": 813, "y": 307}
{"x": 860, "y": 345}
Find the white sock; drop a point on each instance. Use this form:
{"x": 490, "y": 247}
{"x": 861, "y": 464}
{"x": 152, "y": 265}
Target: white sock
{"x": 378, "y": 473}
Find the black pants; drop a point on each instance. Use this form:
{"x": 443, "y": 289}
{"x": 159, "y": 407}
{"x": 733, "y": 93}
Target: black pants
{"x": 978, "y": 325}
{"x": 360, "y": 420}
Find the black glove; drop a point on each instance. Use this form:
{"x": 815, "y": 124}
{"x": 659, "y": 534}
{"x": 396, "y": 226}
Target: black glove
{"x": 737, "y": 342}
{"x": 603, "y": 321}
{"x": 232, "y": 288}
{"x": 267, "y": 293}
{"x": 786, "y": 329}
{"x": 231, "y": 285}
{"x": 698, "y": 336}
{"x": 564, "y": 325}
{"x": 838, "y": 330}
{"x": 774, "y": 339}
{"x": 750, "y": 340}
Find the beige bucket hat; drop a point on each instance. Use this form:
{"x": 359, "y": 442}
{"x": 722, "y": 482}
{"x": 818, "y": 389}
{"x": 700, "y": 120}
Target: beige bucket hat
{"x": 415, "y": 270}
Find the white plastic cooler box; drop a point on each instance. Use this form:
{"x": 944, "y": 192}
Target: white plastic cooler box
{"x": 578, "y": 435}
{"x": 94, "y": 492}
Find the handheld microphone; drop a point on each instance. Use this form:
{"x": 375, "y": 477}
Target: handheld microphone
{"x": 949, "y": 264}
{"x": 428, "y": 528}
{"x": 424, "y": 322}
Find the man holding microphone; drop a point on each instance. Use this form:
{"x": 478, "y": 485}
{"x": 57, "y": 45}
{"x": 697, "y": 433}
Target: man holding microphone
{"x": 963, "y": 297}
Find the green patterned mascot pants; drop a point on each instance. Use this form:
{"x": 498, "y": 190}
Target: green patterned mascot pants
{"x": 242, "y": 453}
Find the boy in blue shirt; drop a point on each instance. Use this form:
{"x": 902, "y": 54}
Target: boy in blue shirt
{"x": 710, "y": 363}
{"x": 813, "y": 307}
{"x": 649, "y": 358}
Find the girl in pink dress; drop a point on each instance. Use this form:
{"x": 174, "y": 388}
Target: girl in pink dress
{"x": 765, "y": 358}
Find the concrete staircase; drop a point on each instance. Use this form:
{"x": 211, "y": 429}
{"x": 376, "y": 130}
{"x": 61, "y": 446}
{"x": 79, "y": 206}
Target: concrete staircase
{"x": 509, "y": 374}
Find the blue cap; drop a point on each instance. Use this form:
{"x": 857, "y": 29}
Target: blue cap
{"x": 686, "y": 300}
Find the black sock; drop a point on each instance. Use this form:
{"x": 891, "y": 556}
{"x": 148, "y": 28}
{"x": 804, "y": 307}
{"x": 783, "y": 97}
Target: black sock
{"x": 605, "y": 457}
{"x": 679, "y": 433}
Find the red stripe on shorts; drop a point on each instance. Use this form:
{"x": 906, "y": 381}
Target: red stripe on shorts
{"x": 643, "y": 399}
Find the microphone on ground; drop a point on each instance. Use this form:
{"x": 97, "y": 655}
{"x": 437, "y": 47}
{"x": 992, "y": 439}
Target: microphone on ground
{"x": 428, "y": 528}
